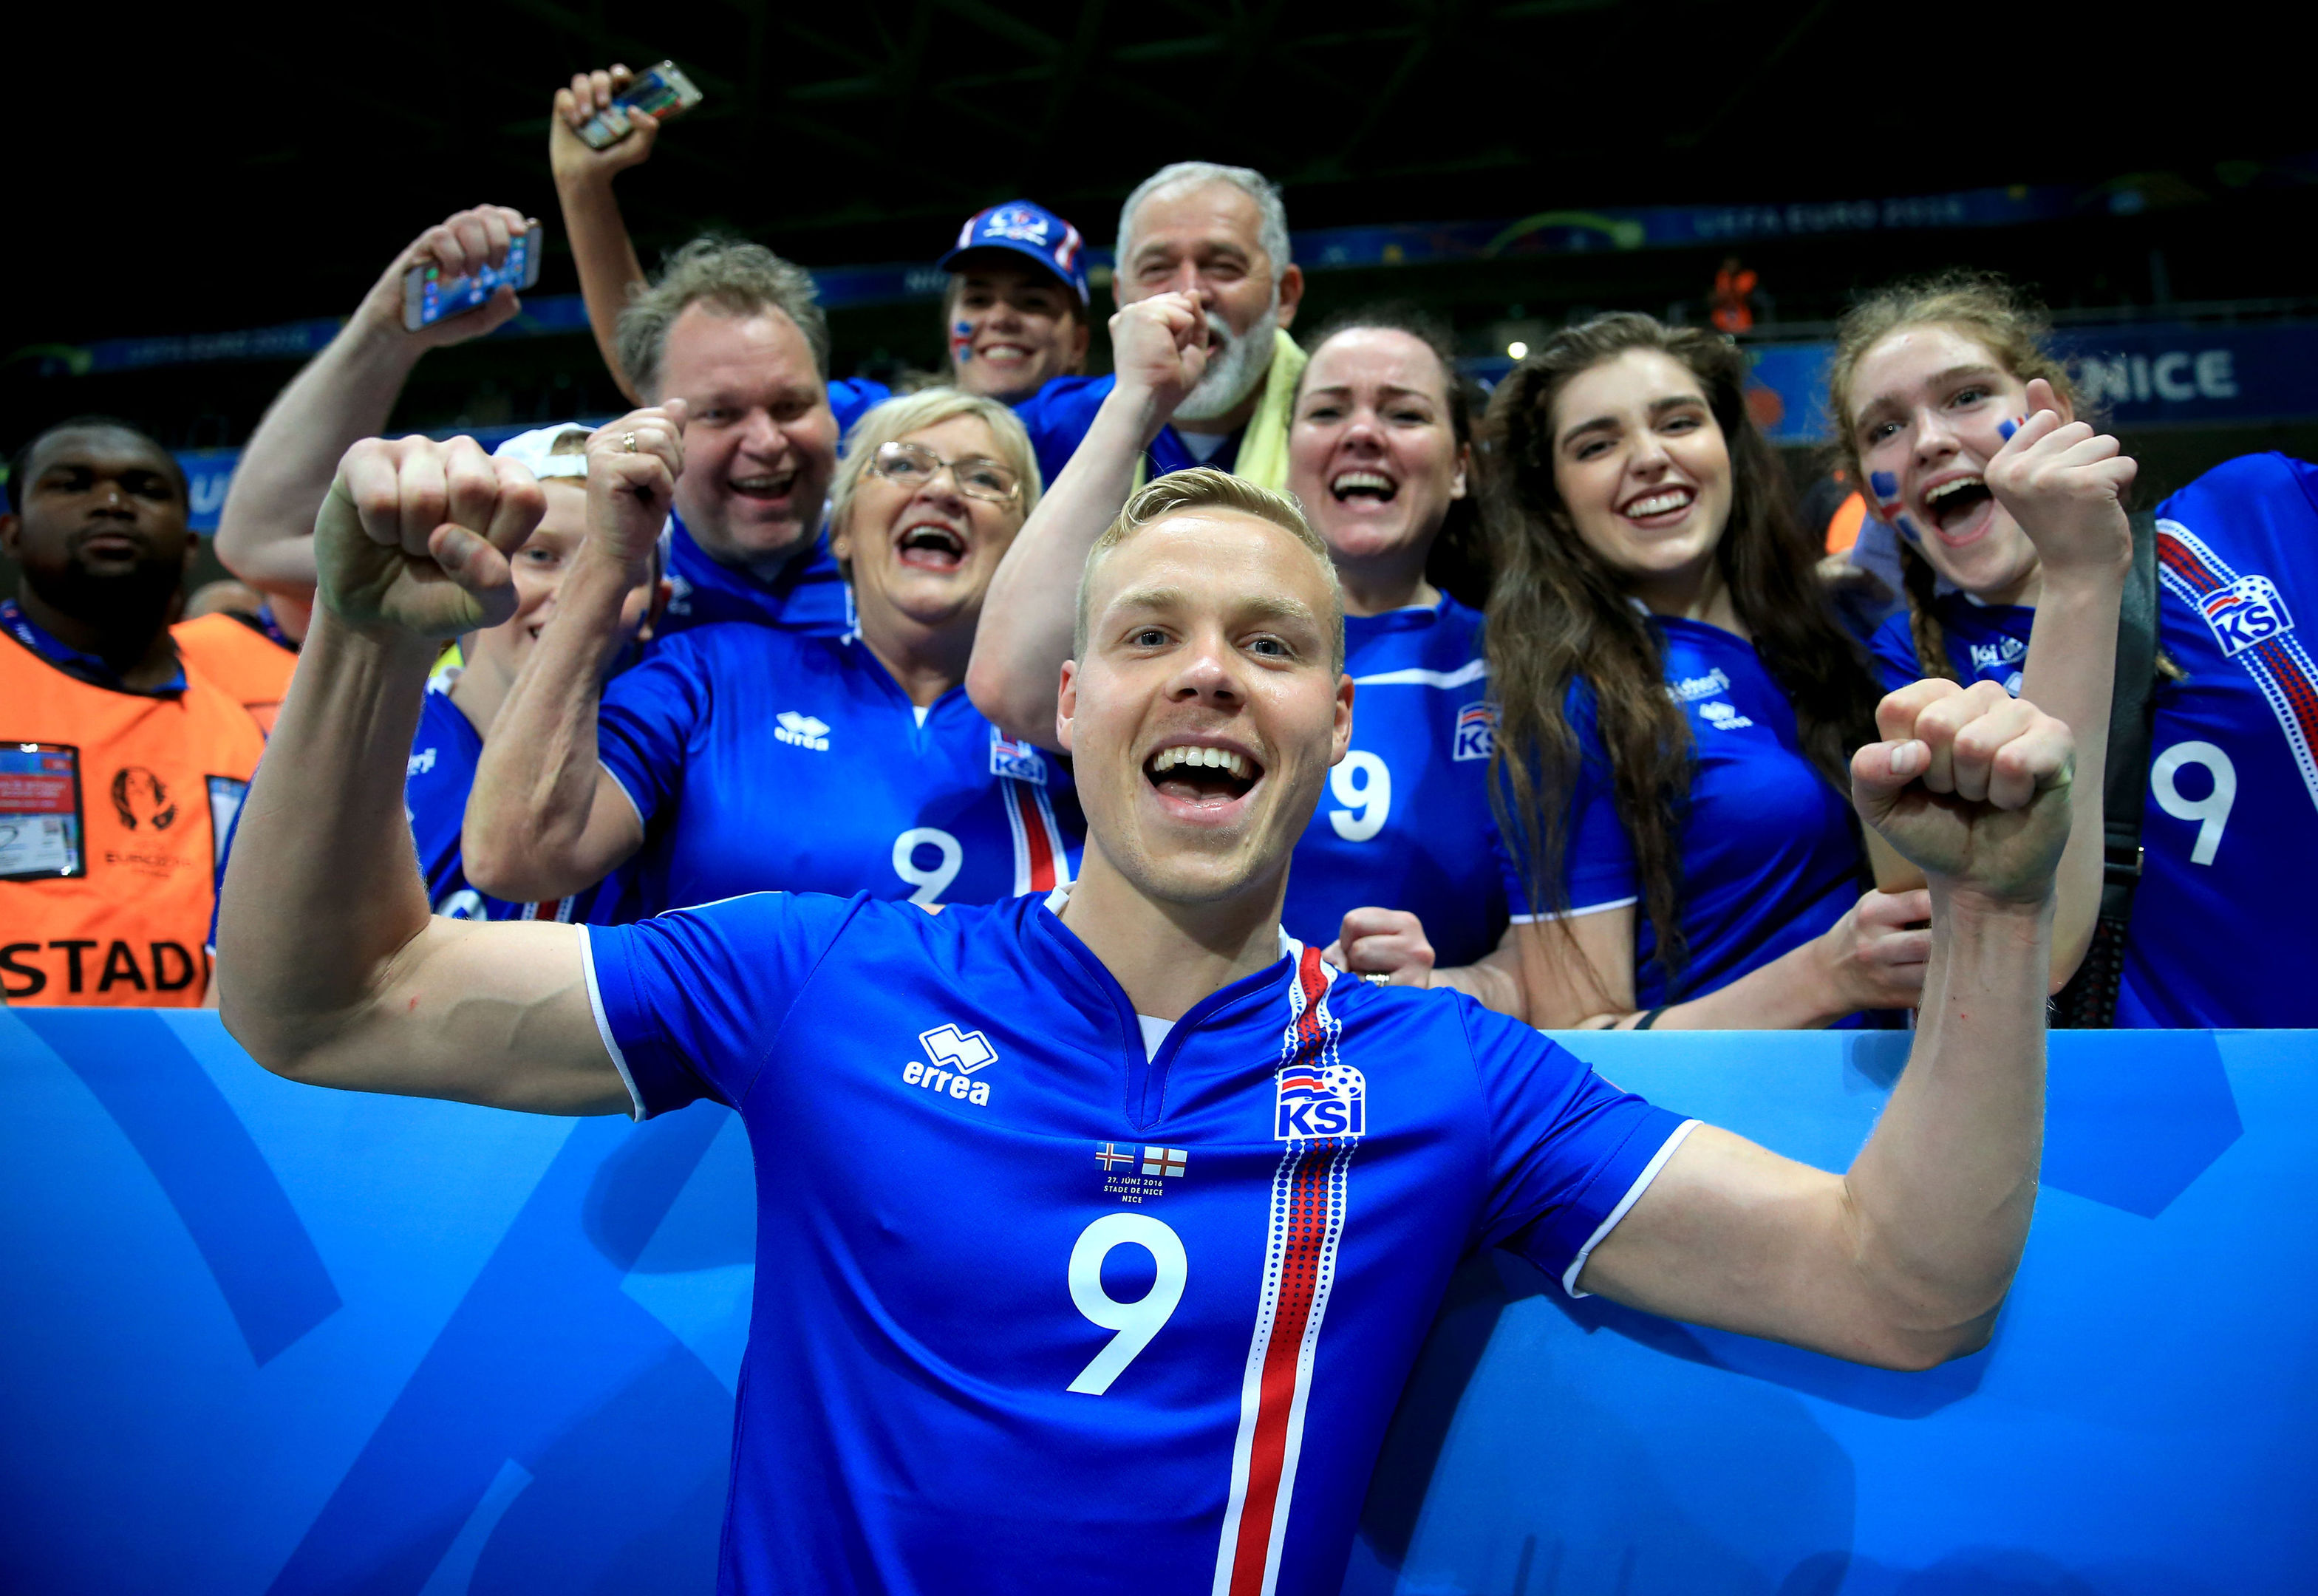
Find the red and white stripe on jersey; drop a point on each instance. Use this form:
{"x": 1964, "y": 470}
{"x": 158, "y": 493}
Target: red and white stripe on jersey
{"x": 558, "y": 909}
{"x": 1042, "y": 861}
{"x": 2279, "y": 664}
{"x": 1307, "y": 1218}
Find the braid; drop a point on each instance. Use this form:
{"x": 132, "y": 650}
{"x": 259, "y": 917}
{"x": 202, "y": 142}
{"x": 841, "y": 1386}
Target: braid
{"x": 1923, "y": 620}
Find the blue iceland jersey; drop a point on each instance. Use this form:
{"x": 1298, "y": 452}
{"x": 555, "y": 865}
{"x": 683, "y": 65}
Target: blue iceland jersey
{"x": 443, "y": 753}
{"x": 1058, "y": 415}
{"x": 807, "y": 593}
{"x": 1986, "y": 643}
{"x": 1037, "y": 1310}
{"x": 442, "y": 759}
{"x": 763, "y": 759}
{"x": 1404, "y": 822}
{"x": 2231, "y": 816}
{"x": 1770, "y": 858}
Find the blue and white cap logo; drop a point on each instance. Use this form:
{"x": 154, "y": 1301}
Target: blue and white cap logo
{"x": 1029, "y": 229}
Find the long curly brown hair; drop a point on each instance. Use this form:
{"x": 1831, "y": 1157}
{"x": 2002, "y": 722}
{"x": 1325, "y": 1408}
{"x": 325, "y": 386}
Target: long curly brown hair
{"x": 1560, "y": 613}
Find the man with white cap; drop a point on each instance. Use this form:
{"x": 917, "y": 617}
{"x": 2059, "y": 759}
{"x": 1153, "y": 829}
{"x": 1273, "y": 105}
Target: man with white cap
{"x": 265, "y": 537}
{"x": 463, "y": 701}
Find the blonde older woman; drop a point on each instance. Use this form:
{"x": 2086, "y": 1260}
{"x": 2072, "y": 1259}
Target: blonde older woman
{"x": 888, "y": 781}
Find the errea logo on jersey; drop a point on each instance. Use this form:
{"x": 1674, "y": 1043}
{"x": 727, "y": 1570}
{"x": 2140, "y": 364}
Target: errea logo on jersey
{"x": 804, "y": 730}
{"x": 1326, "y": 1102}
{"x": 956, "y": 1057}
{"x": 2249, "y": 611}
{"x": 1724, "y": 717}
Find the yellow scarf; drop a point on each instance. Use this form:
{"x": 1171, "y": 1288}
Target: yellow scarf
{"x": 1263, "y": 447}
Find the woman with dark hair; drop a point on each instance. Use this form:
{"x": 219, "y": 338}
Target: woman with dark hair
{"x": 1378, "y": 451}
{"x": 2019, "y": 555}
{"x": 1676, "y": 712}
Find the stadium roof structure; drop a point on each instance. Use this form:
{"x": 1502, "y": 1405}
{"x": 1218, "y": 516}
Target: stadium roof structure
{"x": 222, "y": 170}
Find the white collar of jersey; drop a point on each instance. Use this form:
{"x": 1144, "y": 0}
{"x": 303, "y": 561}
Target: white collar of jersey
{"x": 1290, "y": 949}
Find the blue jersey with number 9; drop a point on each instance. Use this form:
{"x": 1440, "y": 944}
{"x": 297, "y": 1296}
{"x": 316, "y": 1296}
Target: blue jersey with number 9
{"x": 2231, "y": 815}
{"x": 761, "y": 758}
{"x": 1037, "y": 1310}
{"x": 1404, "y": 822}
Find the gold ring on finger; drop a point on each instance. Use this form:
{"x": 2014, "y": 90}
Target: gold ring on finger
{"x": 628, "y": 442}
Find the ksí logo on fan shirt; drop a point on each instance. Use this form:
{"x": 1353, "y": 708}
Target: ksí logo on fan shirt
{"x": 1313, "y": 1102}
{"x": 1476, "y": 731}
{"x": 1018, "y": 761}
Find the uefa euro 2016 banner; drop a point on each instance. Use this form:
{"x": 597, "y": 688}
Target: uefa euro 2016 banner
{"x": 267, "y": 1338}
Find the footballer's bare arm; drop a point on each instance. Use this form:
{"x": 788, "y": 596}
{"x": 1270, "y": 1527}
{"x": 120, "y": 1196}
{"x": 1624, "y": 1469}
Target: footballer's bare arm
{"x": 331, "y": 969}
{"x": 1904, "y": 1259}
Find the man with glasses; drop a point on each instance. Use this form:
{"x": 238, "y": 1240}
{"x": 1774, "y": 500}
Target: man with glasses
{"x": 884, "y": 776}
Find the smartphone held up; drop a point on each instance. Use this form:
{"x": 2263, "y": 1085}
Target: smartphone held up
{"x": 429, "y": 295}
{"x": 658, "y": 92}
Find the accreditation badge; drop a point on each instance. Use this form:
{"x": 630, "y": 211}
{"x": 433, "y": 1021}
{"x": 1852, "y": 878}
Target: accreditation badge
{"x": 41, "y": 837}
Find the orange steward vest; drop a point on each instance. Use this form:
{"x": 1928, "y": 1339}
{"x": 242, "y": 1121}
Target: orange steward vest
{"x": 250, "y": 665}
{"x": 113, "y": 809}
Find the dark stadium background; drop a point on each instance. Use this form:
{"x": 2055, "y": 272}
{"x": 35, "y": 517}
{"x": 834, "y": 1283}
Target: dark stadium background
{"x": 197, "y": 171}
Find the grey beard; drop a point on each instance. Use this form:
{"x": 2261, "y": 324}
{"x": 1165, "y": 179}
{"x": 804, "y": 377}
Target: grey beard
{"x": 1230, "y": 379}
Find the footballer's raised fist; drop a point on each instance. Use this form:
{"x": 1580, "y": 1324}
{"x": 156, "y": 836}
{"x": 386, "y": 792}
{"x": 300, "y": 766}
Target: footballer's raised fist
{"x": 1971, "y": 786}
{"x": 415, "y": 536}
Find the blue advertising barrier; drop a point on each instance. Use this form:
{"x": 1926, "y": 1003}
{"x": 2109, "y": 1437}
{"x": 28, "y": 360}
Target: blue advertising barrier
{"x": 267, "y": 1338}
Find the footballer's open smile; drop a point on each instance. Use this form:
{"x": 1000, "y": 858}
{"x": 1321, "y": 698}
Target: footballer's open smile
{"x": 1202, "y": 780}
{"x": 1210, "y": 703}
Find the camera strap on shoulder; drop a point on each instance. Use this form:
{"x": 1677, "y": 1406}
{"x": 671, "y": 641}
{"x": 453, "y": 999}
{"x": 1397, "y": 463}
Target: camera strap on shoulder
{"x": 2089, "y": 1002}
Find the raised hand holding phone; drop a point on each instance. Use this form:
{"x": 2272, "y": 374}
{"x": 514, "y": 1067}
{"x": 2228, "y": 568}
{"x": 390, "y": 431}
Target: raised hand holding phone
{"x": 608, "y": 119}
{"x": 475, "y": 261}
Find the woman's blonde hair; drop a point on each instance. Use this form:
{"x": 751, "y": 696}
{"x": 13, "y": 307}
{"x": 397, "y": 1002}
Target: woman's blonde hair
{"x": 1991, "y": 312}
{"x": 897, "y": 418}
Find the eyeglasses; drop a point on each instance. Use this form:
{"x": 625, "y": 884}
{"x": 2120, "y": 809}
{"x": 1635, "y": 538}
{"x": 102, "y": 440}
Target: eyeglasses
{"x": 913, "y": 465}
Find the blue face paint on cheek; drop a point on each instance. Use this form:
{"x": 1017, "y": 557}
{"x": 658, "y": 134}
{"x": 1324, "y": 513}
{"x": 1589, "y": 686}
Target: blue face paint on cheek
{"x": 961, "y": 342}
{"x": 2005, "y": 429}
{"x": 1885, "y": 485}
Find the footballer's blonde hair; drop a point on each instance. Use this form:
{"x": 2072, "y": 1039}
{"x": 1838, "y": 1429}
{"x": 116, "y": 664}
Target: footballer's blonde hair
{"x": 1204, "y": 487}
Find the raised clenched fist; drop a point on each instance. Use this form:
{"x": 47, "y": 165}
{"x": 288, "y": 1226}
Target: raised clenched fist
{"x": 415, "y": 535}
{"x": 1971, "y": 786}
{"x": 633, "y": 464}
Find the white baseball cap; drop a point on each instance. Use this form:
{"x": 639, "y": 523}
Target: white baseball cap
{"x": 535, "y": 451}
